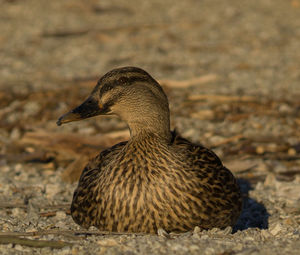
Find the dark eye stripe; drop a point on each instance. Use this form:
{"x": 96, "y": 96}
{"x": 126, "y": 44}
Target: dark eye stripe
{"x": 107, "y": 87}
{"x": 122, "y": 81}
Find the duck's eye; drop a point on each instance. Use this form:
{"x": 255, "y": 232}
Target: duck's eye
{"x": 106, "y": 88}
{"x": 89, "y": 101}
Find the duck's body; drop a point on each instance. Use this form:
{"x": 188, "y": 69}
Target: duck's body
{"x": 156, "y": 179}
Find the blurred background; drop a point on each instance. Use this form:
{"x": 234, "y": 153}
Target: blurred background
{"x": 231, "y": 70}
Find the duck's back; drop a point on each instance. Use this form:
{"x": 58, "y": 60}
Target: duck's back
{"x": 149, "y": 185}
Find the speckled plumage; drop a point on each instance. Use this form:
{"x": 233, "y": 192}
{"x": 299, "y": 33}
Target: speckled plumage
{"x": 155, "y": 180}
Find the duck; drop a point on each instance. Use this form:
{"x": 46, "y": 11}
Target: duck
{"x": 155, "y": 180}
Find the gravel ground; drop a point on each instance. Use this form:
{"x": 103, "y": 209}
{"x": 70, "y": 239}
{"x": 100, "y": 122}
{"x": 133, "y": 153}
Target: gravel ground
{"x": 231, "y": 71}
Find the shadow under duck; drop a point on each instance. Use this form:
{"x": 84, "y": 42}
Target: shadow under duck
{"x": 155, "y": 180}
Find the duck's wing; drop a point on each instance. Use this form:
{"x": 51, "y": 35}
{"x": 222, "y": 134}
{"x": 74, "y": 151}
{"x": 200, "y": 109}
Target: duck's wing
{"x": 197, "y": 151}
{"x": 217, "y": 185}
{"x": 84, "y": 203}
{"x": 100, "y": 161}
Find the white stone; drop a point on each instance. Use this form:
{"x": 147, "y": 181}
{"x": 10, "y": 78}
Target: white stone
{"x": 60, "y": 215}
{"x": 52, "y": 190}
{"x": 276, "y": 229}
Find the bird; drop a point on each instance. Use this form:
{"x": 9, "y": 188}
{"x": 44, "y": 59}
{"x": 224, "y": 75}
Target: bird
{"x": 155, "y": 180}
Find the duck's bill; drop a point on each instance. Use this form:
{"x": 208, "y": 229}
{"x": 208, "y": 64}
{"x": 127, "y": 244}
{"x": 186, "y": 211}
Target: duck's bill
{"x": 68, "y": 117}
{"x": 87, "y": 109}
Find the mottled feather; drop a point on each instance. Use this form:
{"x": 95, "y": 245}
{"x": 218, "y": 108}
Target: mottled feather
{"x": 144, "y": 185}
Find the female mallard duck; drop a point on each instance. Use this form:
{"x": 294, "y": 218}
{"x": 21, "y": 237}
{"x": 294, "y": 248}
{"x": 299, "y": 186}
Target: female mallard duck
{"x": 155, "y": 180}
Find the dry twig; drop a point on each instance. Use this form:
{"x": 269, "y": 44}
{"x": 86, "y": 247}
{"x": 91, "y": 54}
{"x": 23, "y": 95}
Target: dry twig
{"x": 221, "y": 98}
{"x": 67, "y": 233}
{"x": 7, "y": 239}
{"x": 228, "y": 140}
{"x": 19, "y": 205}
{"x": 188, "y": 83}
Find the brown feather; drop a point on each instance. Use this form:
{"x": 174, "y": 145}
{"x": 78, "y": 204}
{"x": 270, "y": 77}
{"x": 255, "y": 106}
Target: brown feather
{"x": 144, "y": 184}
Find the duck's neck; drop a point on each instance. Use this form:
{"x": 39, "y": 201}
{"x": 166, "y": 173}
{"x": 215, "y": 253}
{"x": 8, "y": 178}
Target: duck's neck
{"x": 150, "y": 127}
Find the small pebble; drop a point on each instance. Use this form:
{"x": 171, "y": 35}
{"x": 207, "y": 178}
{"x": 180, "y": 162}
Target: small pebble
{"x": 16, "y": 212}
{"x": 15, "y": 134}
{"x": 197, "y": 230}
{"x": 260, "y": 150}
{"x": 107, "y": 242}
{"x": 52, "y": 190}
{"x": 204, "y": 237}
{"x": 31, "y": 108}
{"x": 284, "y": 108}
{"x": 163, "y": 233}
{"x": 227, "y": 230}
{"x": 275, "y": 230}
{"x": 270, "y": 180}
{"x": 194, "y": 248}
{"x": 292, "y": 152}
{"x": 60, "y": 215}
{"x": 265, "y": 233}
{"x": 5, "y": 169}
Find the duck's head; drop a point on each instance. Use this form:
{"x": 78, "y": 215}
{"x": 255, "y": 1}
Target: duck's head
{"x": 133, "y": 95}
